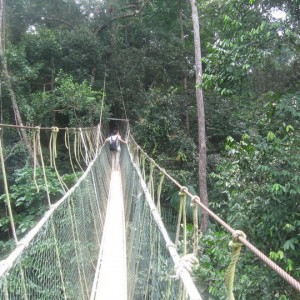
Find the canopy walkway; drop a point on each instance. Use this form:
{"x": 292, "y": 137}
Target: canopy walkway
{"x": 112, "y": 254}
{"x": 105, "y": 239}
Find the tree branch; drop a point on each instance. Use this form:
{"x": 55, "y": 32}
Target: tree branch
{"x": 58, "y": 20}
{"x": 124, "y": 16}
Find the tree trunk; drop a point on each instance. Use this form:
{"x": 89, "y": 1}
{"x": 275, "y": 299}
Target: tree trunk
{"x": 186, "y": 113}
{"x": 8, "y": 84}
{"x": 201, "y": 116}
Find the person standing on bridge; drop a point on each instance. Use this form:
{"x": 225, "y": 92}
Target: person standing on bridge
{"x": 115, "y": 148}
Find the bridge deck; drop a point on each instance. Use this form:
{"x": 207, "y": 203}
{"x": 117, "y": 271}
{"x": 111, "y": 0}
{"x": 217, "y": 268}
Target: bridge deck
{"x": 111, "y": 276}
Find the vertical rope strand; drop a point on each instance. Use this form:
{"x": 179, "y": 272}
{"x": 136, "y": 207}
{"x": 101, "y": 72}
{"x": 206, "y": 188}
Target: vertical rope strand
{"x": 85, "y": 156}
{"x": 143, "y": 158}
{"x": 80, "y": 248}
{"x": 6, "y": 297}
{"x": 178, "y": 223}
{"x": 38, "y": 137}
{"x": 35, "y": 153}
{"x": 151, "y": 181}
{"x": 183, "y": 201}
{"x": 235, "y": 245}
{"x": 161, "y": 180}
{"x": 76, "y": 148}
{"x": 23, "y": 283}
{"x": 196, "y": 226}
{"x": 68, "y": 146}
{"x": 6, "y": 189}
{"x": 58, "y": 259}
{"x": 98, "y": 138}
{"x": 53, "y": 146}
{"x": 76, "y": 248}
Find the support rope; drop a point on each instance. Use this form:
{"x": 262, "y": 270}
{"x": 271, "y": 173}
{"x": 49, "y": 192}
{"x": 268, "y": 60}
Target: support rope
{"x": 53, "y": 156}
{"x": 195, "y": 223}
{"x": 235, "y": 245}
{"x": 35, "y": 153}
{"x": 39, "y": 146}
{"x": 68, "y": 146}
{"x": 76, "y": 149}
{"x": 161, "y": 180}
{"x": 10, "y": 212}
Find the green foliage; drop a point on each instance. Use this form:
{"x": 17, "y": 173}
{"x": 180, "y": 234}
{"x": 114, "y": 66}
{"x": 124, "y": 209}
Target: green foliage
{"x": 72, "y": 103}
{"x": 245, "y": 53}
{"x": 160, "y": 128}
{"x": 214, "y": 258}
{"x": 260, "y": 179}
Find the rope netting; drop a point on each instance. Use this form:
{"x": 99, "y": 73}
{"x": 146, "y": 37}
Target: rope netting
{"x": 57, "y": 259}
{"x": 154, "y": 265}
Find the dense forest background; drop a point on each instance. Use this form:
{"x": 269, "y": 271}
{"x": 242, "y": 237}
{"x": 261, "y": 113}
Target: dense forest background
{"x": 64, "y": 57}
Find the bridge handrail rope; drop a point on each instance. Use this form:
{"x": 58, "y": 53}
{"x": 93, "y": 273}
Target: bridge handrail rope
{"x": 240, "y": 238}
{"x": 46, "y": 128}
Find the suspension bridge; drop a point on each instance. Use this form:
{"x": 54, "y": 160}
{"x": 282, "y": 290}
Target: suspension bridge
{"x": 106, "y": 238}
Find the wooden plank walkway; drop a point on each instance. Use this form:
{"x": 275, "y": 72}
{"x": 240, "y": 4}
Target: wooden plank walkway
{"x": 111, "y": 276}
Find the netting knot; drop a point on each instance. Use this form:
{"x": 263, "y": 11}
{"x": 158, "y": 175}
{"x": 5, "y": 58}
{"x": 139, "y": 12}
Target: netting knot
{"x": 168, "y": 245}
{"x": 37, "y": 128}
{"x": 187, "y": 263}
{"x": 54, "y": 129}
{"x": 235, "y": 243}
{"x": 183, "y": 190}
{"x": 162, "y": 172}
{"x": 195, "y": 199}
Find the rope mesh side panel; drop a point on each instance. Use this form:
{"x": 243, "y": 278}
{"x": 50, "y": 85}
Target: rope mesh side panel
{"x": 57, "y": 259}
{"x": 150, "y": 265}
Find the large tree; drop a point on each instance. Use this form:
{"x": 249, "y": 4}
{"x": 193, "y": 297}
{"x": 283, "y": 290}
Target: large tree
{"x": 201, "y": 115}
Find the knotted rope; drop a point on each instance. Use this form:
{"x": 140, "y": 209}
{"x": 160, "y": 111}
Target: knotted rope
{"x": 187, "y": 262}
{"x": 151, "y": 181}
{"x": 53, "y": 156}
{"x": 36, "y": 134}
{"x": 77, "y": 147}
{"x": 6, "y": 189}
{"x": 161, "y": 180}
{"x": 195, "y": 223}
{"x": 235, "y": 245}
{"x": 182, "y": 215}
{"x": 68, "y": 146}
{"x": 37, "y": 139}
